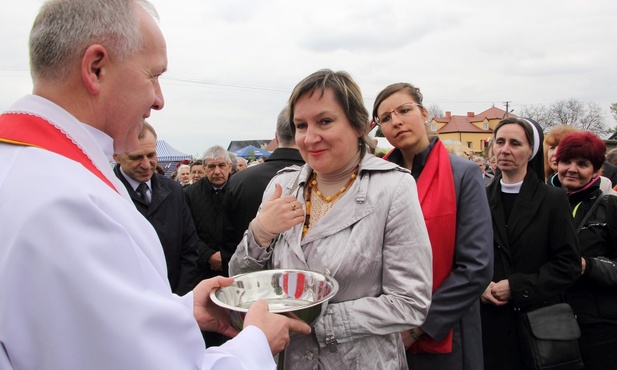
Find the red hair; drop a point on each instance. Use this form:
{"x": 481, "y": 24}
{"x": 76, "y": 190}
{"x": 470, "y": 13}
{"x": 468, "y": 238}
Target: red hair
{"x": 583, "y": 144}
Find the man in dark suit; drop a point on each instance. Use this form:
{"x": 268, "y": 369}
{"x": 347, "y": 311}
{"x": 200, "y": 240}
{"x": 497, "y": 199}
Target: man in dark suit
{"x": 161, "y": 201}
{"x": 245, "y": 188}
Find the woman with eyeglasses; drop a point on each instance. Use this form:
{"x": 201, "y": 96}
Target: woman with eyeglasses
{"x": 455, "y": 208}
{"x": 349, "y": 214}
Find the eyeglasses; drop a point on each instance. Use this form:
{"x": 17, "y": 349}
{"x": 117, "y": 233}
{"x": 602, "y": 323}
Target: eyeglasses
{"x": 401, "y": 111}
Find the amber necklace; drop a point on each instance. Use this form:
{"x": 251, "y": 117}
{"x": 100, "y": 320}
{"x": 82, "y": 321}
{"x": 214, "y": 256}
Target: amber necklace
{"x": 312, "y": 185}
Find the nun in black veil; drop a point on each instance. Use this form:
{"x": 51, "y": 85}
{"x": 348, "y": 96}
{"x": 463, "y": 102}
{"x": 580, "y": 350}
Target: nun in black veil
{"x": 535, "y": 244}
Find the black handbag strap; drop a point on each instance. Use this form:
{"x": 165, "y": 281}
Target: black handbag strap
{"x": 593, "y": 207}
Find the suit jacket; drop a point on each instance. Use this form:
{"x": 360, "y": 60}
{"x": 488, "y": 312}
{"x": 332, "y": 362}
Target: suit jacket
{"x": 243, "y": 196}
{"x": 536, "y": 249}
{"x": 170, "y": 217}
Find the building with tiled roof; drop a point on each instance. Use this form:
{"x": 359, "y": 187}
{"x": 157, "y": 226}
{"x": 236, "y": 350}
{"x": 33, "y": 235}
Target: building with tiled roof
{"x": 472, "y": 130}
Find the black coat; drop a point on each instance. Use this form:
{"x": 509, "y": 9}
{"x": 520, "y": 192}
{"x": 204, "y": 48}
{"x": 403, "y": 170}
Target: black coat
{"x": 170, "y": 217}
{"x": 594, "y": 296}
{"x": 206, "y": 206}
{"x": 244, "y": 193}
{"x": 536, "y": 249}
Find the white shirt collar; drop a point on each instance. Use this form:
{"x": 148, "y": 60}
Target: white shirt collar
{"x": 511, "y": 188}
{"x": 134, "y": 183}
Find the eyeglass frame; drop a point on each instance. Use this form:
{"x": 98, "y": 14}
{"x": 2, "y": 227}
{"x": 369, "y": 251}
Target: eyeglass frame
{"x": 377, "y": 120}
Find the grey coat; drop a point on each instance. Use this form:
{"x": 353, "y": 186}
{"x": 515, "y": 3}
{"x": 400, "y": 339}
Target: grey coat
{"x": 374, "y": 243}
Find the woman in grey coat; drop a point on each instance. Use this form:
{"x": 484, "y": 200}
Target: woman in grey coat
{"x": 353, "y": 216}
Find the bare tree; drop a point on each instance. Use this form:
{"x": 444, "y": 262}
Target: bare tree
{"x": 539, "y": 113}
{"x": 593, "y": 119}
{"x": 567, "y": 112}
{"x": 572, "y": 112}
{"x": 614, "y": 111}
{"x": 585, "y": 116}
{"x": 434, "y": 111}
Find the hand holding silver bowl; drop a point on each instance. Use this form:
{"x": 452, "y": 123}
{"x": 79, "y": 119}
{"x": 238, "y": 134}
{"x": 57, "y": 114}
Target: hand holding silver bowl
{"x": 297, "y": 293}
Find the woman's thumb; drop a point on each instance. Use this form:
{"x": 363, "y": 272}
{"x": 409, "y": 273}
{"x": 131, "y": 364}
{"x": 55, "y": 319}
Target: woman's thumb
{"x": 278, "y": 191}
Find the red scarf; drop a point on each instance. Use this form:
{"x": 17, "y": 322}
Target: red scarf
{"x": 29, "y": 130}
{"x": 437, "y": 197}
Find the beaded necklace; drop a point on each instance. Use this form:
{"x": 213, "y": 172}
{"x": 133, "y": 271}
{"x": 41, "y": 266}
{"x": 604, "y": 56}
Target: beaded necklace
{"x": 312, "y": 185}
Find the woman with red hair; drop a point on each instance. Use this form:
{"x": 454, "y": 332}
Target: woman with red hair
{"x": 551, "y": 144}
{"x": 594, "y": 296}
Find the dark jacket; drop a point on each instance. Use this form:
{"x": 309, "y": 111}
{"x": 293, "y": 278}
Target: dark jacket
{"x": 594, "y": 296}
{"x": 170, "y": 217}
{"x": 244, "y": 193}
{"x": 536, "y": 249}
{"x": 206, "y": 206}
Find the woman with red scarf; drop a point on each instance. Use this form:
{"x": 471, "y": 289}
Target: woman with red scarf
{"x": 457, "y": 216}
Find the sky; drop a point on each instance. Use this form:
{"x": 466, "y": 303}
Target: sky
{"x": 233, "y": 63}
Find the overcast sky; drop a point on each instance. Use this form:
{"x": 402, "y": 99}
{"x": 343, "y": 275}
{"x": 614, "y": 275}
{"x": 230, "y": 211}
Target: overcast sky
{"x": 233, "y": 63}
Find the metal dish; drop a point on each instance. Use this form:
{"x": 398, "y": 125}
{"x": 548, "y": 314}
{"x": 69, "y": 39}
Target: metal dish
{"x": 297, "y": 293}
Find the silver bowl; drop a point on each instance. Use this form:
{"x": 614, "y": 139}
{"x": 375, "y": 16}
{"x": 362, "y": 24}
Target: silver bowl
{"x": 297, "y": 293}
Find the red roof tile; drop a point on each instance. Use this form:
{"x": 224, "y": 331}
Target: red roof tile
{"x": 465, "y": 123}
{"x": 491, "y": 113}
{"x": 460, "y": 124}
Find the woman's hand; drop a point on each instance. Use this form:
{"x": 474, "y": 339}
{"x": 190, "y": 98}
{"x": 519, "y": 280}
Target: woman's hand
{"x": 488, "y": 297}
{"x": 280, "y": 213}
{"x": 408, "y": 340}
{"x": 501, "y": 291}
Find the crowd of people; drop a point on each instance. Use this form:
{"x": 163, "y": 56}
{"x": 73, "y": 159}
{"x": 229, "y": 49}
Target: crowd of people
{"x": 435, "y": 255}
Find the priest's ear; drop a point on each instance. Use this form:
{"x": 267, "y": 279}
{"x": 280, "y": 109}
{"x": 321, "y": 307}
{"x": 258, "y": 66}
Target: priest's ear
{"x": 94, "y": 66}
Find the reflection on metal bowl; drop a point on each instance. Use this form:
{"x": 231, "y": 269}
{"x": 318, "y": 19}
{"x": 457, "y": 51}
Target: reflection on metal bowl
{"x": 296, "y": 293}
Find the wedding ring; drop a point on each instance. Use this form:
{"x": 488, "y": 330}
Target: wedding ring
{"x": 293, "y": 207}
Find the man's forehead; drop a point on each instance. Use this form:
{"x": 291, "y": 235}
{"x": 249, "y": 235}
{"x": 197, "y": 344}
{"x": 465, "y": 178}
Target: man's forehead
{"x": 216, "y": 161}
{"x": 141, "y": 152}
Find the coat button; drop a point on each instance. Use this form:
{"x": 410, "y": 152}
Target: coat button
{"x": 309, "y": 356}
{"x": 526, "y": 294}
